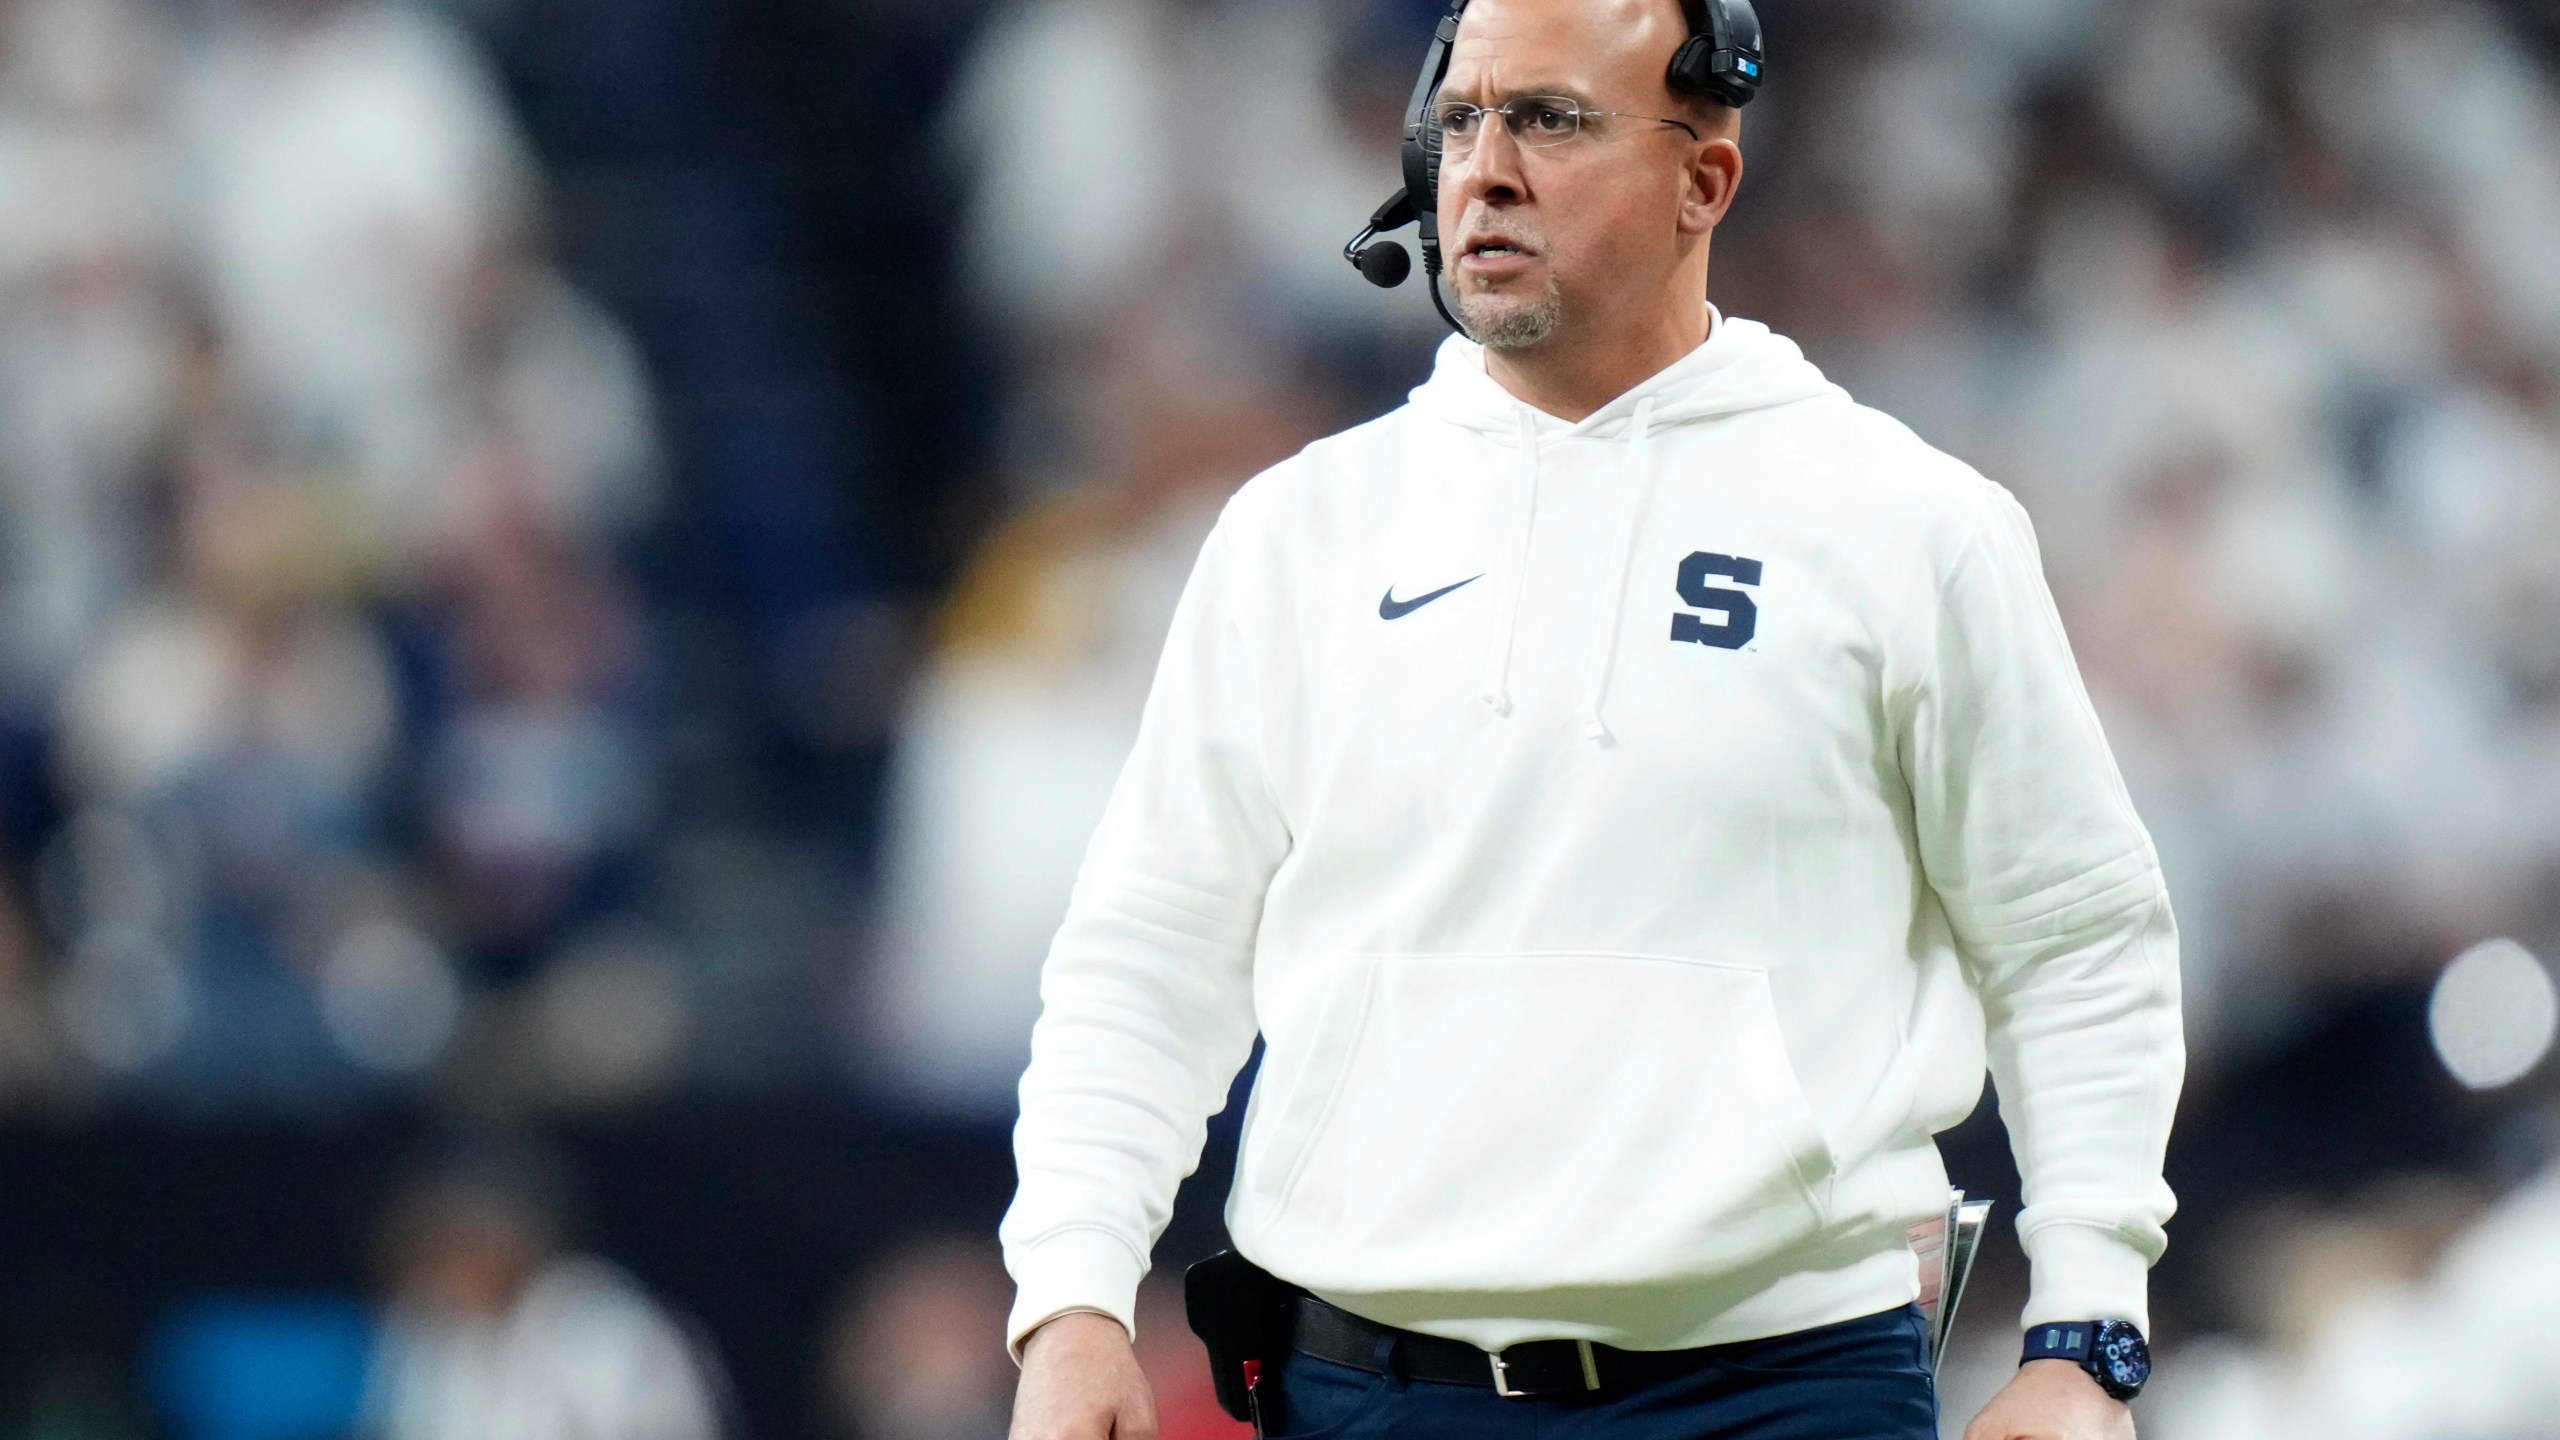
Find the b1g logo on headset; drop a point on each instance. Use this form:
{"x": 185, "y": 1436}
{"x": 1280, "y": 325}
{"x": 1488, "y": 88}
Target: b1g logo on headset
{"x": 1741, "y": 617}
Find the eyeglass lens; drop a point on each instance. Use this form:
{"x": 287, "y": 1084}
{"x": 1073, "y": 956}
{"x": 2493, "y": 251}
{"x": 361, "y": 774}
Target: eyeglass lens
{"x": 1531, "y": 119}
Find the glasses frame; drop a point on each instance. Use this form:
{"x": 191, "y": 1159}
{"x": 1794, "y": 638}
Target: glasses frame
{"x": 1434, "y": 140}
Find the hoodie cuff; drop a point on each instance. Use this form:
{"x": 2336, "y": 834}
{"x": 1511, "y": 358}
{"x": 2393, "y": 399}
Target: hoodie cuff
{"x": 2086, "y": 1272}
{"x": 1069, "y": 1270}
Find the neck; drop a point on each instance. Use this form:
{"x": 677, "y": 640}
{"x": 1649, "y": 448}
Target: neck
{"x": 1572, "y": 377}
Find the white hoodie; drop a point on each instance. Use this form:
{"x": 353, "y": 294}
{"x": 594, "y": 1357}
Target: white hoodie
{"x": 1623, "y": 920}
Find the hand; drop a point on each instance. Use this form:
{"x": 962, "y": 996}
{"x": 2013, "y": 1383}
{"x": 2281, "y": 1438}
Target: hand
{"x": 1081, "y": 1381}
{"x": 2052, "y": 1400}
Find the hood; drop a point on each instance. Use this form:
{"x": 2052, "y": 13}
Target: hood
{"x": 1743, "y": 365}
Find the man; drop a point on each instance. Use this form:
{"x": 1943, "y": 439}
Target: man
{"x": 1630, "y": 891}
{"x": 498, "y": 1331}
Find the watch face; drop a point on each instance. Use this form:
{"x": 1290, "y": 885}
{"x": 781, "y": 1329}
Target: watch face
{"x": 2122, "y": 1355}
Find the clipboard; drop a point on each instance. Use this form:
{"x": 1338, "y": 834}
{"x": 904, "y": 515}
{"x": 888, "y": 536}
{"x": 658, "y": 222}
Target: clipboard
{"x": 1946, "y": 1245}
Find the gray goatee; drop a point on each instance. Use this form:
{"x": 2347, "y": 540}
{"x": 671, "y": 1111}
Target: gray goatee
{"x": 1504, "y": 323}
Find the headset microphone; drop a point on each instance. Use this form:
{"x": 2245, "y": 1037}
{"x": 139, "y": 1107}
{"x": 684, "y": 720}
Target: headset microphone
{"x": 1720, "y": 60}
{"x": 1384, "y": 264}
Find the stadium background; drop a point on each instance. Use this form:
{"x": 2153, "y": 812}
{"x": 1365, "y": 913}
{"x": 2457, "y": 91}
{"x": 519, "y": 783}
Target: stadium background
{"x": 573, "y": 573}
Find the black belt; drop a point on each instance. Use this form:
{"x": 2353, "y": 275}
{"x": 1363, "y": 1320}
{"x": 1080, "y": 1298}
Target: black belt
{"x": 1529, "y": 1369}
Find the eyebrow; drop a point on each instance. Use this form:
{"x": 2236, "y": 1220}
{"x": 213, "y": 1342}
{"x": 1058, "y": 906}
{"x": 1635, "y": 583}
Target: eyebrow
{"x": 1573, "y": 93}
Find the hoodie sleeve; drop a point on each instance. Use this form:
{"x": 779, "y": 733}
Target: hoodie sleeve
{"x": 1146, "y": 996}
{"x": 2055, "y": 897}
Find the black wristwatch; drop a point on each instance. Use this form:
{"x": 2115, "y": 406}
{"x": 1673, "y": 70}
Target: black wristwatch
{"x": 2112, "y": 1351}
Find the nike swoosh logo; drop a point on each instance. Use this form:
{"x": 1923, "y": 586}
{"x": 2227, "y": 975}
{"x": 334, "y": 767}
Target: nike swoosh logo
{"x": 1391, "y": 608}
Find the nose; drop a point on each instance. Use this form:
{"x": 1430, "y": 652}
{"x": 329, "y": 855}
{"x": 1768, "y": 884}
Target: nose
{"x": 1492, "y": 174}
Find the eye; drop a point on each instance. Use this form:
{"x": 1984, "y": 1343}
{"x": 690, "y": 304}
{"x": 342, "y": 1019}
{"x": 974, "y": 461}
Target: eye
{"x": 1456, "y": 119}
{"x": 1548, "y": 117}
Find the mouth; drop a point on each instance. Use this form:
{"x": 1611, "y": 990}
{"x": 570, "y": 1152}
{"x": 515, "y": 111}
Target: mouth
{"x": 1496, "y": 248}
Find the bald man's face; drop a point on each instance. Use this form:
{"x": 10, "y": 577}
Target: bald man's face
{"x": 1541, "y": 241}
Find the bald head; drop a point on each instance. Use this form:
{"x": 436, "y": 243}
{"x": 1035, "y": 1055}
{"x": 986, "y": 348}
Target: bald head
{"x": 1631, "y": 42}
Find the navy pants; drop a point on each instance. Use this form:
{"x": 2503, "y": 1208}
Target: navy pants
{"x": 1865, "y": 1379}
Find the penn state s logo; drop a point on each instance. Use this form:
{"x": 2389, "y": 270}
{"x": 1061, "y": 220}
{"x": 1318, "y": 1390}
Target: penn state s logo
{"x": 1733, "y": 616}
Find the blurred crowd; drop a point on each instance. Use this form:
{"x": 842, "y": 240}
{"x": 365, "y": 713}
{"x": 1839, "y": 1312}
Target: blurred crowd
{"x": 324, "y": 695}
{"x": 346, "y": 695}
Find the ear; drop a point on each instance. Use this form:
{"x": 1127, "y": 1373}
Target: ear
{"x": 1714, "y": 173}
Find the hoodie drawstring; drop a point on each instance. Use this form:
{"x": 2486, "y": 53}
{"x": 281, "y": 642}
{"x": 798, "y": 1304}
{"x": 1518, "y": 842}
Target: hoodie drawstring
{"x": 1498, "y": 694}
{"x": 1604, "y": 648}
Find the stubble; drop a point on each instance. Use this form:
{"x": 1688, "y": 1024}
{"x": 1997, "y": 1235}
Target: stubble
{"x": 1507, "y": 322}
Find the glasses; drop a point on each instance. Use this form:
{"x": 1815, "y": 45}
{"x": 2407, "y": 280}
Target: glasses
{"x": 1536, "y": 121}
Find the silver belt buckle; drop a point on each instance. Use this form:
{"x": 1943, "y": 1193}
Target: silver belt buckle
{"x": 1502, "y": 1372}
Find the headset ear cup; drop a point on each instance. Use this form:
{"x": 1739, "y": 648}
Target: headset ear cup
{"x": 1689, "y": 72}
{"x": 1693, "y": 72}
{"x": 1721, "y": 59}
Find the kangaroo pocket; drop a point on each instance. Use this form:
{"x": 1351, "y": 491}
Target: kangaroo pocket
{"x": 1554, "y": 1120}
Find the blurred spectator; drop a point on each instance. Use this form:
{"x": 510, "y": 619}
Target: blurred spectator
{"x": 1060, "y": 241}
{"x": 2409, "y": 1312}
{"x": 89, "y": 343}
{"x": 1027, "y": 706}
{"x": 535, "y": 773}
{"x": 1054, "y": 236}
{"x": 352, "y": 165}
{"x": 350, "y": 530}
{"x": 496, "y": 1332}
{"x": 233, "y": 727}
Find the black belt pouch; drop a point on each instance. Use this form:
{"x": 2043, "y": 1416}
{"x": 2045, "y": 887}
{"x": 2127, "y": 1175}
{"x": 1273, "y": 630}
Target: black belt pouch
{"x": 1241, "y": 1312}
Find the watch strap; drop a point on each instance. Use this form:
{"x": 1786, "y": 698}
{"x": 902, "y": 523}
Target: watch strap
{"x": 2111, "y": 1352}
{"x": 2072, "y": 1340}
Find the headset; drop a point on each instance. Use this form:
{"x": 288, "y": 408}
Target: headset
{"x": 1720, "y": 60}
